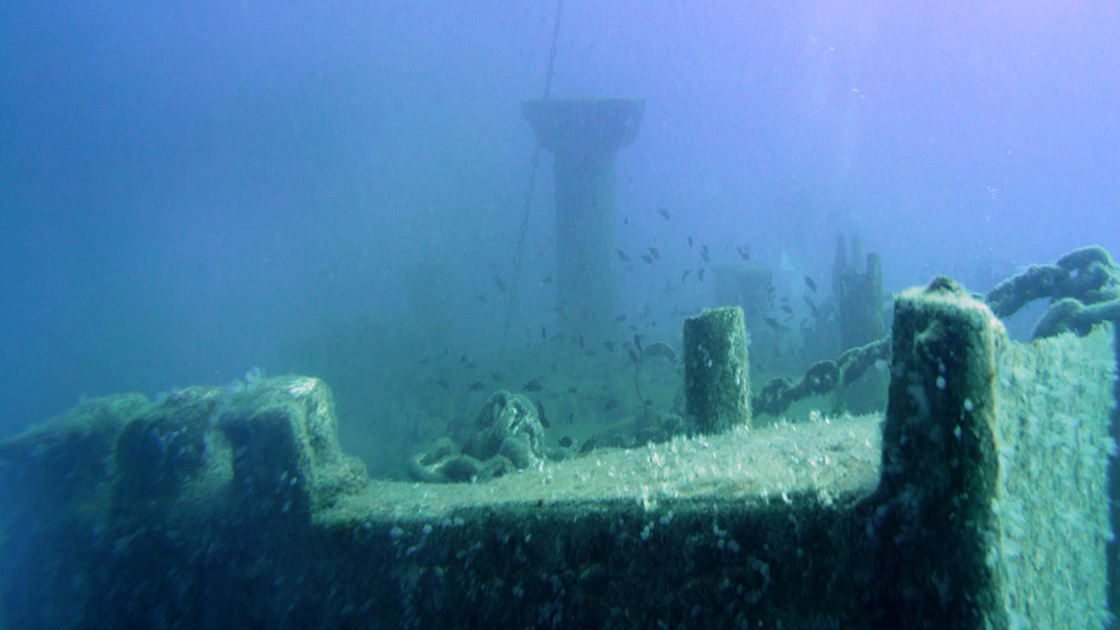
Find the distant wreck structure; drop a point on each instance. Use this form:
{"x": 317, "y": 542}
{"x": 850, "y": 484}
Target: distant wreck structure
{"x": 583, "y": 135}
{"x": 980, "y": 501}
{"x": 858, "y": 287}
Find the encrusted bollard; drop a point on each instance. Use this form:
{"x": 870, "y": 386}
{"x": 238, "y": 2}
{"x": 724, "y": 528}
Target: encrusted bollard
{"x": 716, "y": 373}
{"x": 940, "y": 460}
{"x": 992, "y": 510}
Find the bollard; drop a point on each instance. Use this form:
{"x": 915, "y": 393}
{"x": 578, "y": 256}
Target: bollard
{"x": 716, "y": 374}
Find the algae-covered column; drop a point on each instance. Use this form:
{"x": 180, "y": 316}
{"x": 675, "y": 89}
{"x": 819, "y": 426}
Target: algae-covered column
{"x": 583, "y": 136}
{"x": 716, "y": 372}
{"x": 940, "y": 463}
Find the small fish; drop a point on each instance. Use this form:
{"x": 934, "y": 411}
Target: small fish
{"x": 633, "y": 355}
{"x": 812, "y": 307}
{"x": 611, "y": 404}
{"x": 609, "y": 345}
{"x": 566, "y": 442}
{"x": 626, "y": 220}
{"x": 463, "y": 359}
{"x": 542, "y": 415}
{"x": 477, "y": 386}
{"x": 573, "y": 390}
{"x": 685, "y": 275}
{"x": 704, "y": 253}
{"x": 533, "y": 385}
{"x": 472, "y": 365}
{"x": 622, "y": 255}
{"x": 443, "y": 383}
{"x": 653, "y": 251}
{"x": 544, "y": 334}
{"x": 482, "y": 297}
{"x": 501, "y": 283}
{"x": 700, "y": 274}
{"x": 690, "y": 240}
{"x": 745, "y": 252}
{"x": 581, "y": 341}
{"x": 668, "y": 286}
{"x": 638, "y": 342}
{"x": 809, "y": 283}
{"x": 547, "y": 279}
{"x": 587, "y": 447}
{"x": 621, "y": 317}
{"x": 787, "y": 309}
{"x": 647, "y": 258}
{"x": 497, "y": 376}
{"x": 665, "y": 213}
{"x": 776, "y": 325}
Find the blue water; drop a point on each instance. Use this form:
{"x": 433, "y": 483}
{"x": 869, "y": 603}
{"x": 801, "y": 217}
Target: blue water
{"x": 189, "y": 188}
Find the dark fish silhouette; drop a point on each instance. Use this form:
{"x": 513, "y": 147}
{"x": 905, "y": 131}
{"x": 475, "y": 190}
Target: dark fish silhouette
{"x": 704, "y": 253}
{"x": 621, "y": 317}
{"x": 745, "y": 252}
{"x": 776, "y": 325}
{"x": 533, "y": 386}
{"x": 477, "y": 386}
{"x": 547, "y": 279}
{"x": 443, "y": 383}
{"x": 611, "y": 404}
{"x": 573, "y": 390}
{"x": 566, "y": 442}
{"x": 501, "y": 284}
{"x": 685, "y": 275}
{"x": 609, "y": 345}
{"x": 542, "y": 415}
{"x": 690, "y": 241}
{"x": 647, "y": 258}
{"x": 812, "y": 307}
{"x": 665, "y": 213}
{"x": 700, "y": 274}
{"x": 638, "y": 342}
{"x": 787, "y": 309}
{"x": 809, "y": 283}
{"x": 622, "y": 255}
{"x": 653, "y": 251}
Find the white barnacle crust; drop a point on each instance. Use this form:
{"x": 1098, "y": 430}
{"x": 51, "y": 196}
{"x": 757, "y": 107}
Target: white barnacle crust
{"x": 301, "y": 386}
